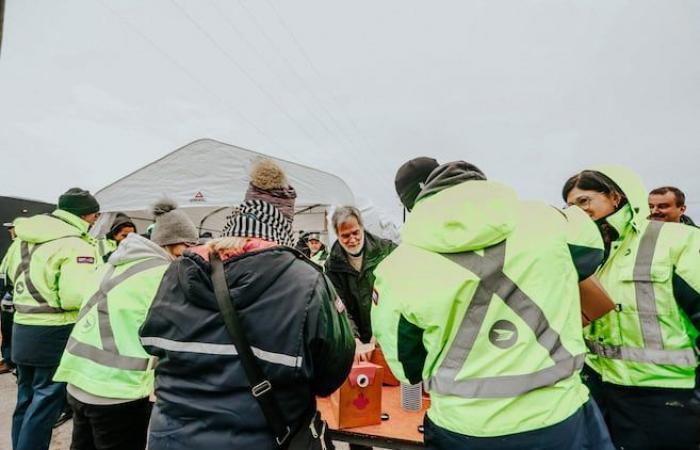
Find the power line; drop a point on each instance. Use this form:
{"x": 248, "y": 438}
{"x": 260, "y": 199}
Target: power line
{"x": 192, "y": 77}
{"x": 289, "y": 64}
{"x": 310, "y": 63}
{"x": 245, "y": 73}
{"x": 280, "y": 79}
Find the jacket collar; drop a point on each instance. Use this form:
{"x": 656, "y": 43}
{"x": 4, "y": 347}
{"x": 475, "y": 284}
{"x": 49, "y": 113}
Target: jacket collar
{"x": 71, "y": 219}
{"x": 622, "y": 221}
{"x": 371, "y": 256}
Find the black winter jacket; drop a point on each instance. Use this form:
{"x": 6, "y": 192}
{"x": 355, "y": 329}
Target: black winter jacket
{"x": 290, "y": 314}
{"x": 355, "y": 288}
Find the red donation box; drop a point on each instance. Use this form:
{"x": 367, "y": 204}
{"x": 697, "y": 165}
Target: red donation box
{"x": 358, "y": 402}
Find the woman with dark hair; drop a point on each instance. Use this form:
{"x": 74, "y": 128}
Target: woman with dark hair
{"x": 599, "y": 197}
{"x": 641, "y": 362}
{"x": 121, "y": 227}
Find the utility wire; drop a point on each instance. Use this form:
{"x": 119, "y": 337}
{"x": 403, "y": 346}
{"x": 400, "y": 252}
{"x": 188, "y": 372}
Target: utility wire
{"x": 189, "y": 74}
{"x": 310, "y": 63}
{"x": 247, "y": 74}
{"x": 231, "y": 24}
{"x": 301, "y": 79}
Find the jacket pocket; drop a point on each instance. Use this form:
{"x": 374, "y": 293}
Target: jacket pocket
{"x": 649, "y": 305}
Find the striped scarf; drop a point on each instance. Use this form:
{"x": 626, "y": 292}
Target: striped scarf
{"x": 259, "y": 219}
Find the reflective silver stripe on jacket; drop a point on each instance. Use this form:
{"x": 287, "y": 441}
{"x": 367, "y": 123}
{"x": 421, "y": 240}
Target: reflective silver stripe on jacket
{"x": 101, "y": 248}
{"x": 684, "y": 357}
{"x": 44, "y": 309}
{"x": 489, "y": 268}
{"x": 653, "y": 351}
{"x": 644, "y": 288}
{"x": 206, "y": 348}
{"x": 23, "y": 268}
{"x": 109, "y": 355}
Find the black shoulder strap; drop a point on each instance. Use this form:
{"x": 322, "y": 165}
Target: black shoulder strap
{"x": 261, "y": 387}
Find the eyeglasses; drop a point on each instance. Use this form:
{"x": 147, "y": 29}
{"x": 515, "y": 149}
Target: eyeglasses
{"x": 583, "y": 202}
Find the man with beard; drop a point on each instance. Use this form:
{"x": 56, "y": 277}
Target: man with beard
{"x": 350, "y": 267}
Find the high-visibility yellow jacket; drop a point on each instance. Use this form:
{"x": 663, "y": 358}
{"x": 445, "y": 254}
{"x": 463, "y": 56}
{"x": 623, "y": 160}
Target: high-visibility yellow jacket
{"x": 653, "y": 275}
{"x": 104, "y": 356}
{"x": 481, "y": 302}
{"x": 48, "y": 264}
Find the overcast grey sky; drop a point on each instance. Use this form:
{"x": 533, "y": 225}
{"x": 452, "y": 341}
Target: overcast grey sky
{"x": 531, "y": 91}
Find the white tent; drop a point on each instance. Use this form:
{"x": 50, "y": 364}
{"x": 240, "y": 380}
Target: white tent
{"x": 206, "y": 178}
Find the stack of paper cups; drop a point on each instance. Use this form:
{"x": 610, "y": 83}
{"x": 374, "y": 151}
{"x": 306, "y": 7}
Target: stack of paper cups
{"x": 412, "y": 396}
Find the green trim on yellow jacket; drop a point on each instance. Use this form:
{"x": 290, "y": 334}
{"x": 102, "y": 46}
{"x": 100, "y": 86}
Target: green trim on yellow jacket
{"x": 105, "y": 247}
{"x": 48, "y": 266}
{"x": 104, "y": 356}
{"x": 432, "y": 310}
{"x": 649, "y": 340}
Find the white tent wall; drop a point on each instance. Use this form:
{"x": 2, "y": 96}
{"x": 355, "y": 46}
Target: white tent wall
{"x": 313, "y": 219}
{"x": 207, "y": 178}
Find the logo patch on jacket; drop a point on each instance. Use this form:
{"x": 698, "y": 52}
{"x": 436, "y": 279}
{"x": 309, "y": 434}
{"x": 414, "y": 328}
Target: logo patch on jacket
{"x": 85, "y": 260}
{"x": 503, "y": 334}
{"x": 339, "y": 305}
{"x": 375, "y": 296}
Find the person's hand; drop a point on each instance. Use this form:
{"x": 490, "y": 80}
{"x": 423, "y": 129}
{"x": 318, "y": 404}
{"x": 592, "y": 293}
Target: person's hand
{"x": 373, "y": 343}
{"x": 360, "y": 354}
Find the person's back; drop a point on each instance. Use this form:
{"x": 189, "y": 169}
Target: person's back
{"x": 481, "y": 302}
{"x": 48, "y": 267}
{"x": 296, "y": 327}
{"x": 284, "y": 304}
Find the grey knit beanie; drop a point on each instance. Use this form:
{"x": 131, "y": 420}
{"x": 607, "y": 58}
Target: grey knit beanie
{"x": 172, "y": 225}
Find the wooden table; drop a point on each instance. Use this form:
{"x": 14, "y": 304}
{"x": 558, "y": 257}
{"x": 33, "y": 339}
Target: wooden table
{"x": 399, "y": 432}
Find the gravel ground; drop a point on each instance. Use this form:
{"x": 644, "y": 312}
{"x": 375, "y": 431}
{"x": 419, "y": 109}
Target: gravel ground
{"x": 8, "y": 397}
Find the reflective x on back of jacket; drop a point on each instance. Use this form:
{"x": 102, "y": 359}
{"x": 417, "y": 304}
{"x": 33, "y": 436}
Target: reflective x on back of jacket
{"x": 489, "y": 268}
{"x": 104, "y": 356}
{"x": 26, "y": 283}
{"x": 107, "y": 354}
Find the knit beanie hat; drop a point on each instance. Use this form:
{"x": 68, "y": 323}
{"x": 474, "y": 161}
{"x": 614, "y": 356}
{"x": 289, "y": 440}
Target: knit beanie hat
{"x": 268, "y": 209}
{"x": 269, "y": 184}
{"x": 259, "y": 219}
{"x": 172, "y": 225}
{"x": 411, "y": 177}
{"x": 121, "y": 220}
{"x": 78, "y": 202}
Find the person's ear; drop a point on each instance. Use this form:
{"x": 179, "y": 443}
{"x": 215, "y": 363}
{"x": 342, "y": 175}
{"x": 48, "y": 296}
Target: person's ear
{"x": 616, "y": 198}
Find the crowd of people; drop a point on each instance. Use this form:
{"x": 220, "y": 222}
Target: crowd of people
{"x": 179, "y": 341}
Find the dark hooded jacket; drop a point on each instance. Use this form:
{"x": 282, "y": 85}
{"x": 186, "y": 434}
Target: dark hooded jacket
{"x": 355, "y": 288}
{"x": 293, "y": 322}
{"x": 686, "y": 220}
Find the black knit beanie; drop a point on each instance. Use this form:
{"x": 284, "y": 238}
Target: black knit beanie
{"x": 78, "y": 202}
{"x": 410, "y": 178}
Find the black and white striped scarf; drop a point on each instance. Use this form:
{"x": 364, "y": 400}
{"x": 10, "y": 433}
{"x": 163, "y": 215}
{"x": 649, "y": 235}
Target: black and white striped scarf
{"x": 259, "y": 219}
